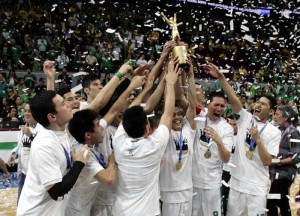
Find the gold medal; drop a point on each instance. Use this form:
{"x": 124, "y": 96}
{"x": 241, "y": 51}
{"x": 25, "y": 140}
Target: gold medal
{"x": 207, "y": 154}
{"x": 249, "y": 154}
{"x": 178, "y": 165}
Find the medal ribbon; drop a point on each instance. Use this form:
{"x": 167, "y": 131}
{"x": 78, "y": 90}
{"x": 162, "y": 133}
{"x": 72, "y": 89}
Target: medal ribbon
{"x": 207, "y": 138}
{"x": 100, "y": 159}
{"x": 69, "y": 165}
{"x": 180, "y": 147}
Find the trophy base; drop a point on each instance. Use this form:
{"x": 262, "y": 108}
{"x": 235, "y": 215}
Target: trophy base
{"x": 182, "y": 54}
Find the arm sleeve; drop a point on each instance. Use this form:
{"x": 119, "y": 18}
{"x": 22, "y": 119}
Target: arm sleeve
{"x": 61, "y": 188}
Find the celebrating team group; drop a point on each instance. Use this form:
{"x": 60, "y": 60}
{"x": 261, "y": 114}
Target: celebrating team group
{"x": 159, "y": 153}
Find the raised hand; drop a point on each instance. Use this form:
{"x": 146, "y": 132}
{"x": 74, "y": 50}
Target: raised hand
{"x": 139, "y": 70}
{"x": 125, "y": 68}
{"x": 173, "y": 72}
{"x": 168, "y": 47}
{"x": 138, "y": 81}
{"x": 26, "y": 130}
{"x": 213, "y": 70}
{"x": 211, "y": 133}
{"x": 49, "y": 69}
{"x": 254, "y": 133}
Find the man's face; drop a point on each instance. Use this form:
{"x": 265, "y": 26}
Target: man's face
{"x": 72, "y": 100}
{"x": 243, "y": 99}
{"x": 1, "y": 77}
{"x": 216, "y": 108}
{"x": 28, "y": 116}
{"x": 131, "y": 96}
{"x": 199, "y": 93}
{"x": 64, "y": 111}
{"x": 97, "y": 135}
{"x": 177, "y": 119}
{"x": 94, "y": 89}
{"x": 262, "y": 108}
{"x": 279, "y": 119}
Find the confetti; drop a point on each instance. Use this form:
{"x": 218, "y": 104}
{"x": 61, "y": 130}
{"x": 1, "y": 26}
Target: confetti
{"x": 274, "y": 196}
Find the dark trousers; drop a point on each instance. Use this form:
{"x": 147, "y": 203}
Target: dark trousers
{"x": 225, "y": 191}
{"x": 279, "y": 186}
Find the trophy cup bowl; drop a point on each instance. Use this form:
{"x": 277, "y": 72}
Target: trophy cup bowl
{"x": 181, "y": 53}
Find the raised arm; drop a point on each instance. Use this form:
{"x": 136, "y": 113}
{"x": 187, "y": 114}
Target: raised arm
{"x": 233, "y": 99}
{"x": 138, "y": 100}
{"x": 49, "y": 70}
{"x": 105, "y": 94}
{"x": 137, "y": 81}
{"x": 168, "y": 47}
{"x": 191, "y": 95}
{"x": 171, "y": 79}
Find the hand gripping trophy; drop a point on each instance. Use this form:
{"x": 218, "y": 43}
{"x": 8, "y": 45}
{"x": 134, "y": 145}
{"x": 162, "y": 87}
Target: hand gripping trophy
{"x": 178, "y": 51}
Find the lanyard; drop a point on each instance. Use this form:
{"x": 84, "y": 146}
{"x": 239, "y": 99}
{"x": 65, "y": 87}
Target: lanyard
{"x": 67, "y": 154}
{"x": 100, "y": 159}
{"x": 69, "y": 165}
{"x": 206, "y": 137}
{"x": 180, "y": 146}
{"x": 252, "y": 142}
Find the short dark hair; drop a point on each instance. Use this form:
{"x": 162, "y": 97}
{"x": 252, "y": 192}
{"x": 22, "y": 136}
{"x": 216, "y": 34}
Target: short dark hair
{"x": 216, "y": 94}
{"x": 272, "y": 100}
{"x": 41, "y": 105}
{"x": 64, "y": 91}
{"x": 135, "y": 121}
{"x": 86, "y": 81}
{"x": 82, "y": 122}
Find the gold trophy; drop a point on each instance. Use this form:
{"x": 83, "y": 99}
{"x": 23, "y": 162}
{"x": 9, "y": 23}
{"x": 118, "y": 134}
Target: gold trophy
{"x": 178, "y": 51}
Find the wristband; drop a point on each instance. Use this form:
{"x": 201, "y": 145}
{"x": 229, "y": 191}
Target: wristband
{"x": 118, "y": 74}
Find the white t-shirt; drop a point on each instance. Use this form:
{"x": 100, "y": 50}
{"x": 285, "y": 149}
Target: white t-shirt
{"x": 47, "y": 166}
{"x": 81, "y": 198}
{"x": 23, "y": 148}
{"x": 251, "y": 176}
{"x": 207, "y": 172}
{"x": 105, "y": 194}
{"x": 138, "y": 160}
{"x": 176, "y": 185}
{"x": 227, "y": 166}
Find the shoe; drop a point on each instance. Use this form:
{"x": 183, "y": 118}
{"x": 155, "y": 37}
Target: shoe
{"x": 4, "y": 177}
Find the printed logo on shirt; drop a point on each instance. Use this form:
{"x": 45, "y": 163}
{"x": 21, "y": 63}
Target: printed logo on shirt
{"x": 184, "y": 145}
{"x": 203, "y": 136}
{"x": 26, "y": 142}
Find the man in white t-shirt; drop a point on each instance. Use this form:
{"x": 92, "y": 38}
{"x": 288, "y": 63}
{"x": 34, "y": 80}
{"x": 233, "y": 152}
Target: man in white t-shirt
{"x": 258, "y": 141}
{"x": 213, "y": 143}
{"x": 86, "y": 127}
{"x": 175, "y": 178}
{"x": 106, "y": 193}
{"x": 138, "y": 155}
{"x": 50, "y": 175}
